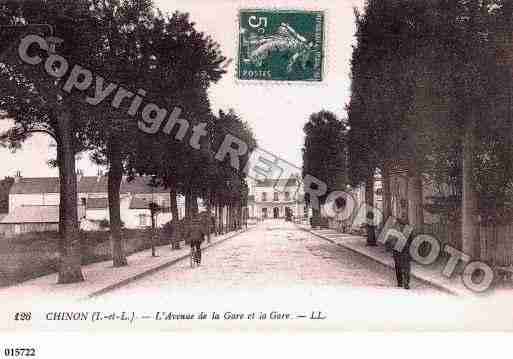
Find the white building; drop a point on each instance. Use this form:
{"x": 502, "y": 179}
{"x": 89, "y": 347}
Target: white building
{"x": 40, "y": 194}
{"x": 273, "y": 198}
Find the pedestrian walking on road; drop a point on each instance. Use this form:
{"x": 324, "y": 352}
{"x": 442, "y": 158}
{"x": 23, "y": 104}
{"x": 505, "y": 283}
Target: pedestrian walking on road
{"x": 402, "y": 261}
{"x": 371, "y": 230}
{"x": 196, "y": 235}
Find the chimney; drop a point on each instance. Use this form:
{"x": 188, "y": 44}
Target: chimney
{"x": 17, "y": 177}
{"x": 99, "y": 175}
{"x": 80, "y": 174}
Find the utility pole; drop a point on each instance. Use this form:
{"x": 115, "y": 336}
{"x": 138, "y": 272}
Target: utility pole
{"x": 153, "y": 212}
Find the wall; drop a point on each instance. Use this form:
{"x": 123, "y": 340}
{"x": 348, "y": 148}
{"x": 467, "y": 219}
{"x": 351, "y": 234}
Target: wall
{"x": 97, "y": 214}
{"x": 11, "y": 229}
{"x": 16, "y": 200}
{"x": 37, "y": 199}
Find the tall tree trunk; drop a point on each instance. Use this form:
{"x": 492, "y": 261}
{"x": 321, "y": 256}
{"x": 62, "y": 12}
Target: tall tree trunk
{"x": 469, "y": 228}
{"x": 62, "y": 207}
{"x": 70, "y": 259}
{"x": 218, "y": 219}
{"x": 234, "y": 217}
{"x": 114, "y": 184}
{"x": 387, "y": 192}
{"x": 216, "y": 216}
{"x": 415, "y": 199}
{"x": 229, "y": 218}
{"x": 194, "y": 204}
{"x": 387, "y": 196}
{"x": 239, "y": 215}
{"x": 369, "y": 201}
{"x": 191, "y": 204}
{"x": 226, "y": 215}
{"x": 221, "y": 218}
{"x": 187, "y": 196}
{"x": 209, "y": 217}
{"x": 174, "y": 204}
{"x": 153, "y": 232}
{"x": 316, "y": 217}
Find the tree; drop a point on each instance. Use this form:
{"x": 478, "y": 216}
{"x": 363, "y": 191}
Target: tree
{"x": 37, "y": 104}
{"x": 227, "y": 185}
{"x": 5, "y": 187}
{"x": 184, "y": 64}
{"x": 128, "y": 26}
{"x": 324, "y": 152}
{"x": 429, "y": 90}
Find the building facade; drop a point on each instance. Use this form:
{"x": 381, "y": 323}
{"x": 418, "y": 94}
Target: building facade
{"x": 34, "y": 202}
{"x": 274, "y": 198}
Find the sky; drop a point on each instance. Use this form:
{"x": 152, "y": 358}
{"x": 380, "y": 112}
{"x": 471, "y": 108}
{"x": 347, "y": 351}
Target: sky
{"x": 276, "y": 113}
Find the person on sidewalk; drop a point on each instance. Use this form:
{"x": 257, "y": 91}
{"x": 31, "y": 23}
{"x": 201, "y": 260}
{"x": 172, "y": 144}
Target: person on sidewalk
{"x": 196, "y": 235}
{"x": 371, "y": 230}
{"x": 402, "y": 260}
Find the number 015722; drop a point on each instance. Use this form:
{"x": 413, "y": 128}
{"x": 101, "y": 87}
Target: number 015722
{"x": 19, "y": 352}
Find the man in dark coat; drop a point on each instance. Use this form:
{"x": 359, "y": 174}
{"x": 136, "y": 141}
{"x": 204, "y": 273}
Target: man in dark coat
{"x": 371, "y": 230}
{"x": 196, "y": 234}
{"x": 402, "y": 260}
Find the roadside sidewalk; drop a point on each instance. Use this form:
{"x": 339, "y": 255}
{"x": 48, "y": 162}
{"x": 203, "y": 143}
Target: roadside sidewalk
{"x": 102, "y": 277}
{"x": 431, "y": 275}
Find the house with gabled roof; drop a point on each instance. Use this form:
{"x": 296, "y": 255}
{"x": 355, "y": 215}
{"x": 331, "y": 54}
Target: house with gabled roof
{"x": 35, "y": 200}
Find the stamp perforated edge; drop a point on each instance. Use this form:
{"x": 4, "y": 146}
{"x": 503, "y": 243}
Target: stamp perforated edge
{"x": 326, "y": 44}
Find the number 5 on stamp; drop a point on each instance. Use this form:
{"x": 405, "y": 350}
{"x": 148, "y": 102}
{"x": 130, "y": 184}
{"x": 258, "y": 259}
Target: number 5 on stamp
{"x": 281, "y": 45}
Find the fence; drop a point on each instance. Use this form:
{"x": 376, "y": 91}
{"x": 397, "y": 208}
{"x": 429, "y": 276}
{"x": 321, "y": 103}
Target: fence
{"x": 496, "y": 240}
{"x": 496, "y": 244}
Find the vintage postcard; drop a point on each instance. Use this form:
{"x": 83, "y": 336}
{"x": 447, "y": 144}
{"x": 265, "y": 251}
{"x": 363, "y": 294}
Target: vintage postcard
{"x": 225, "y": 165}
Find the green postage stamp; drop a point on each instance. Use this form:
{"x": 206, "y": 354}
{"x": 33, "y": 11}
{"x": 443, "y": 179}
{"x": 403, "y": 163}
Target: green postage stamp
{"x": 281, "y": 45}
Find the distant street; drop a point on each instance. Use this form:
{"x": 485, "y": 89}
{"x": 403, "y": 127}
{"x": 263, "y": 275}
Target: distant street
{"x": 275, "y": 254}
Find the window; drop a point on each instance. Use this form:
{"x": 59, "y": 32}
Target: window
{"x": 264, "y": 196}
{"x": 142, "y": 220}
{"x": 287, "y": 196}
{"x": 276, "y": 196}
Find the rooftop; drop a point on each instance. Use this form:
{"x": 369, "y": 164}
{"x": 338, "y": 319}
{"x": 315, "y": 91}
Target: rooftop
{"x": 291, "y": 182}
{"x": 86, "y": 184}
